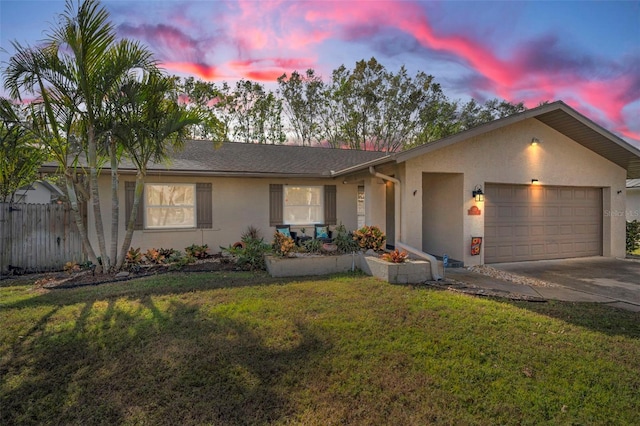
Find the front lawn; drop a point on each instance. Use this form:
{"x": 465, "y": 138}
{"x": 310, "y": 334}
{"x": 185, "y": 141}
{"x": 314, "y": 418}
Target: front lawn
{"x": 237, "y": 348}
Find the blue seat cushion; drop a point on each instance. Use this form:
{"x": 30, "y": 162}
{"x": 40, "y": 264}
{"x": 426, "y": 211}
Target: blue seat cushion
{"x": 284, "y": 231}
{"x": 322, "y": 232}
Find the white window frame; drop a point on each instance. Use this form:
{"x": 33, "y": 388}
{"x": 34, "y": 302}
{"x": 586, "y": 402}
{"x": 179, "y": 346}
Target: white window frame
{"x": 302, "y": 221}
{"x": 147, "y": 207}
{"x": 360, "y": 206}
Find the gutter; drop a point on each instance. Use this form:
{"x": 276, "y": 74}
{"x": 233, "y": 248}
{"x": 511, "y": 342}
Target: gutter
{"x": 433, "y": 262}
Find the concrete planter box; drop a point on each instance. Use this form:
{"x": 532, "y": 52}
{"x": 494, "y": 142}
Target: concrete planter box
{"x": 310, "y": 265}
{"x": 409, "y": 272}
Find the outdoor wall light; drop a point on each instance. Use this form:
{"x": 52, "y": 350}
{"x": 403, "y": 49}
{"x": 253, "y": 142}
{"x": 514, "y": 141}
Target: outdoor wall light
{"x": 535, "y": 141}
{"x": 477, "y": 193}
{"x": 534, "y": 182}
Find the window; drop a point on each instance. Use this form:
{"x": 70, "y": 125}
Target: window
{"x": 318, "y": 205}
{"x": 303, "y": 205}
{"x": 361, "y": 214}
{"x": 204, "y": 205}
{"x": 170, "y": 205}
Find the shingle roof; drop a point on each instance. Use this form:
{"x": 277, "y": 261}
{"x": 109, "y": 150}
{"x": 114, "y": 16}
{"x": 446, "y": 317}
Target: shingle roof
{"x": 232, "y": 158}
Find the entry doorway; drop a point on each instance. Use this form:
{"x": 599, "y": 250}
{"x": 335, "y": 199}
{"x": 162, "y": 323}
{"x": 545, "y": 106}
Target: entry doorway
{"x": 390, "y": 207}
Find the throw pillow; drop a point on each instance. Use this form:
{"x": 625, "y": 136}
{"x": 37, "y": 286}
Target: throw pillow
{"x": 284, "y": 231}
{"x": 322, "y": 232}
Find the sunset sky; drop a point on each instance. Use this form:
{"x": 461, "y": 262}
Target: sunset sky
{"x": 586, "y": 53}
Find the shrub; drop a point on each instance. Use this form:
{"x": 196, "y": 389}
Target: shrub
{"x": 198, "y": 252}
{"x": 71, "y": 267}
{"x": 250, "y": 252}
{"x": 344, "y": 240}
{"x": 177, "y": 260}
{"x": 395, "y": 256}
{"x": 252, "y": 255}
{"x": 252, "y": 233}
{"x": 370, "y": 237}
{"x": 633, "y": 236}
{"x": 133, "y": 259}
{"x": 282, "y": 245}
{"x": 313, "y": 245}
{"x": 154, "y": 256}
{"x": 167, "y": 253}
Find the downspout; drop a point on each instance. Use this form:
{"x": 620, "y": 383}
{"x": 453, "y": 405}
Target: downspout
{"x": 398, "y": 237}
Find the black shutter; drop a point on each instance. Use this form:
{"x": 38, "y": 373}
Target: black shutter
{"x": 330, "y": 210}
{"x": 276, "y": 204}
{"x": 204, "y": 200}
{"x": 129, "y": 194}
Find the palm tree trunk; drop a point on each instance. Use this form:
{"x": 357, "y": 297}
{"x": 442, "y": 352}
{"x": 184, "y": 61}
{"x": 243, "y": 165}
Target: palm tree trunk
{"x": 92, "y": 157}
{"x": 113, "y": 247}
{"x": 77, "y": 216}
{"x": 132, "y": 220}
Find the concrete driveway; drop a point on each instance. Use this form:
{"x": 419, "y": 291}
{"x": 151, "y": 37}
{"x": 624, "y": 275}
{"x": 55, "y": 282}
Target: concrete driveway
{"x": 594, "y": 279}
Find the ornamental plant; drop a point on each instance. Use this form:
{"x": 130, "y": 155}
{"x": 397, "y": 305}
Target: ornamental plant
{"x": 395, "y": 256}
{"x": 633, "y": 236}
{"x": 344, "y": 240}
{"x": 197, "y": 251}
{"x": 133, "y": 259}
{"x": 282, "y": 245}
{"x": 154, "y": 256}
{"x": 370, "y": 237}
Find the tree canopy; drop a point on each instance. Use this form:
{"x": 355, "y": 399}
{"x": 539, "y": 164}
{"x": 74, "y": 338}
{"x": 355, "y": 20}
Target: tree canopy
{"x": 367, "y": 107}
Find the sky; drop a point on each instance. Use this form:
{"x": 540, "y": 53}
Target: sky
{"x": 585, "y": 53}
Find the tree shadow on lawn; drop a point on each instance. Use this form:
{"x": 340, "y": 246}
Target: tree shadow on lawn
{"x": 156, "y": 285}
{"x": 593, "y": 316}
{"x": 175, "y": 364}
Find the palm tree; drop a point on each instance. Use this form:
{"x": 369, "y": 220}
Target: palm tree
{"x": 80, "y": 64}
{"x": 150, "y": 121}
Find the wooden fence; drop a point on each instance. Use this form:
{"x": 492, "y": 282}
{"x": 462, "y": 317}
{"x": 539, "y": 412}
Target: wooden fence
{"x": 37, "y": 238}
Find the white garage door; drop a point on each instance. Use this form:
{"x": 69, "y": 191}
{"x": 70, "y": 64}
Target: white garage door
{"x": 530, "y": 222}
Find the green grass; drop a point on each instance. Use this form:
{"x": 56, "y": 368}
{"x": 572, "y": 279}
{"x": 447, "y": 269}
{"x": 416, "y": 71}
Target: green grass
{"x": 237, "y": 348}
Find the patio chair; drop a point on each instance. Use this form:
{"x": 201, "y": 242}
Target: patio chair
{"x": 286, "y": 230}
{"x": 322, "y": 232}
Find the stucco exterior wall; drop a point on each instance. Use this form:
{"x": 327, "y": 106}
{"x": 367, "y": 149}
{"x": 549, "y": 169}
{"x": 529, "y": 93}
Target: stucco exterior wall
{"x": 236, "y": 204}
{"x": 442, "y": 200}
{"x": 36, "y": 194}
{"x": 633, "y": 204}
{"x": 506, "y": 156}
{"x": 374, "y": 202}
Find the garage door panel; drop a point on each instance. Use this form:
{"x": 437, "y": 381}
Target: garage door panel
{"x": 537, "y": 249}
{"x": 536, "y": 230}
{"x": 565, "y": 230}
{"x": 505, "y": 251}
{"x": 538, "y": 222}
{"x": 552, "y": 211}
{"x": 505, "y": 231}
{"x": 566, "y": 212}
{"x": 505, "y": 211}
{"x": 566, "y": 248}
{"x": 537, "y": 211}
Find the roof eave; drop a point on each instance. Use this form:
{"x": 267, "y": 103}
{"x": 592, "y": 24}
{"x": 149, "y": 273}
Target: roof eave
{"x": 363, "y": 166}
{"x": 203, "y": 173}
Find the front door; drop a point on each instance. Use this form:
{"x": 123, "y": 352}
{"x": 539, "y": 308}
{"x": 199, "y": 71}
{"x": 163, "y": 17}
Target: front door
{"x": 391, "y": 214}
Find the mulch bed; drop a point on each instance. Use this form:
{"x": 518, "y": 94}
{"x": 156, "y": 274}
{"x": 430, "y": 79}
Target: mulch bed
{"x": 60, "y": 280}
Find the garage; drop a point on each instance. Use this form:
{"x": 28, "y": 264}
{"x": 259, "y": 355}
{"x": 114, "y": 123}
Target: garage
{"x": 534, "y": 222}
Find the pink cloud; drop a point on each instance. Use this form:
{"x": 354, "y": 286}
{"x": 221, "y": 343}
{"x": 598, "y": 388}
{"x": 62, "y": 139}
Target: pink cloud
{"x": 205, "y": 72}
{"x": 554, "y": 75}
{"x": 275, "y": 37}
{"x": 268, "y": 69}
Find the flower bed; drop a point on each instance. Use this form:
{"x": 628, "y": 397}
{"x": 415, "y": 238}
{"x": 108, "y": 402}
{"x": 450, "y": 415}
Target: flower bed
{"x": 408, "y": 272}
{"x": 305, "y": 265}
